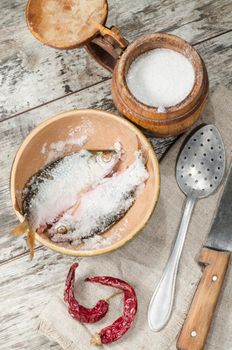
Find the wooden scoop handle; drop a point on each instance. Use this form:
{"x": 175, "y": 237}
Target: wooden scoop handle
{"x": 107, "y": 46}
{"x": 196, "y": 326}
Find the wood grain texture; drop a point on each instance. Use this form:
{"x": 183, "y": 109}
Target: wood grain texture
{"x": 65, "y": 25}
{"x": 37, "y": 82}
{"x": 33, "y": 74}
{"x": 217, "y": 53}
{"x": 26, "y": 287}
{"x": 195, "y": 330}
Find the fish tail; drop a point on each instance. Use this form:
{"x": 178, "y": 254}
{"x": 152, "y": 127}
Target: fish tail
{"x": 31, "y": 241}
{"x": 23, "y": 228}
{"x": 20, "y": 229}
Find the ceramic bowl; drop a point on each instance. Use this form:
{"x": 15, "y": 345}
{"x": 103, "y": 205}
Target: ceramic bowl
{"x": 97, "y": 130}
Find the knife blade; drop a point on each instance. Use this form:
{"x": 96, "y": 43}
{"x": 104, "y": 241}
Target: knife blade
{"x": 214, "y": 257}
{"x": 220, "y": 235}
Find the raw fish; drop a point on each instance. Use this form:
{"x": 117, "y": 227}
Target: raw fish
{"x": 101, "y": 207}
{"x": 59, "y": 186}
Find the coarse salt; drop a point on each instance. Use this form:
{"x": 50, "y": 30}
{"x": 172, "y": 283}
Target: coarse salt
{"x": 161, "y": 78}
{"x": 77, "y": 136}
{"x": 104, "y": 205}
{"x": 98, "y": 242}
{"x": 60, "y": 186}
{"x": 56, "y": 149}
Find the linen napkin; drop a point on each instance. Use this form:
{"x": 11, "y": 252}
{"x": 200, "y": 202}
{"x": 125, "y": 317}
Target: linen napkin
{"x": 141, "y": 262}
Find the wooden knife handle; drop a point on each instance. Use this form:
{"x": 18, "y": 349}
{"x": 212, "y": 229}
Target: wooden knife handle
{"x": 196, "y": 326}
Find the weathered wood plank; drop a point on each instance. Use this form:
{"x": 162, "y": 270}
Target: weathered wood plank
{"x": 217, "y": 54}
{"x": 26, "y": 288}
{"x": 32, "y": 74}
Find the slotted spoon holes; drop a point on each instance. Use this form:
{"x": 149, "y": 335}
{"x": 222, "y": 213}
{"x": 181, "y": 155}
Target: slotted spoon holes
{"x": 202, "y": 162}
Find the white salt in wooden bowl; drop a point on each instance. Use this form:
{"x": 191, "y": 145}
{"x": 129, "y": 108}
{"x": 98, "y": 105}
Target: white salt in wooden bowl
{"x": 92, "y": 130}
{"x": 175, "y": 119}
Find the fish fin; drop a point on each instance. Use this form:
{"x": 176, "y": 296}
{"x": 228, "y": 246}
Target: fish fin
{"x": 75, "y": 207}
{"x": 25, "y": 228}
{"x": 20, "y": 229}
{"x": 145, "y": 154}
{"x": 77, "y": 204}
{"x": 144, "y": 151}
{"x": 31, "y": 241}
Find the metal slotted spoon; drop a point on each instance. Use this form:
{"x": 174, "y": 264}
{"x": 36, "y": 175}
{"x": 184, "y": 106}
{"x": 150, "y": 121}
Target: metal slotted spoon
{"x": 199, "y": 171}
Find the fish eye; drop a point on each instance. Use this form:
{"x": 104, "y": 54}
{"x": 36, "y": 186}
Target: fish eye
{"x": 106, "y": 157}
{"x": 62, "y": 229}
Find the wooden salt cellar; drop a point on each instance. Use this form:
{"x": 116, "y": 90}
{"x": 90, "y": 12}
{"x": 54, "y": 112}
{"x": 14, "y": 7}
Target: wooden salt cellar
{"x": 113, "y": 52}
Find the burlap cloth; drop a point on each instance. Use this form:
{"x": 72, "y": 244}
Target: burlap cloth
{"x": 142, "y": 260}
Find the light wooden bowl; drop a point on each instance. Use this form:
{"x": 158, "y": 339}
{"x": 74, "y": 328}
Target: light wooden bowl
{"x": 102, "y": 129}
{"x": 47, "y": 20}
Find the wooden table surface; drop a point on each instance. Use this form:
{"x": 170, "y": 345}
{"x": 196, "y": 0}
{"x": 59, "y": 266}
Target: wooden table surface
{"x": 37, "y": 82}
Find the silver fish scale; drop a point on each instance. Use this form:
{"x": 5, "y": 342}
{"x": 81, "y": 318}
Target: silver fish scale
{"x": 62, "y": 172}
{"x": 202, "y": 175}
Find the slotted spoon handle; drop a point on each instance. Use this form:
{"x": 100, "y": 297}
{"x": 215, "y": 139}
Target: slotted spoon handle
{"x": 196, "y": 326}
{"x": 162, "y": 300}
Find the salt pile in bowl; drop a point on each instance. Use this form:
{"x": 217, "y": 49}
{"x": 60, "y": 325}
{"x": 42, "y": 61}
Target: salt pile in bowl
{"x": 161, "y": 78}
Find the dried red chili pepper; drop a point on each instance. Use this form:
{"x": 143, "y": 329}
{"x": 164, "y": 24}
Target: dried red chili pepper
{"x": 77, "y": 311}
{"x": 117, "y": 329}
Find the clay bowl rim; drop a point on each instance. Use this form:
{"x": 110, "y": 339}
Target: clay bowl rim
{"x": 121, "y": 71}
{"x": 74, "y": 252}
{"x": 64, "y": 47}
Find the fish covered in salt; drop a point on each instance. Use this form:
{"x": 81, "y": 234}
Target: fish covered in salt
{"x": 59, "y": 186}
{"x": 101, "y": 207}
